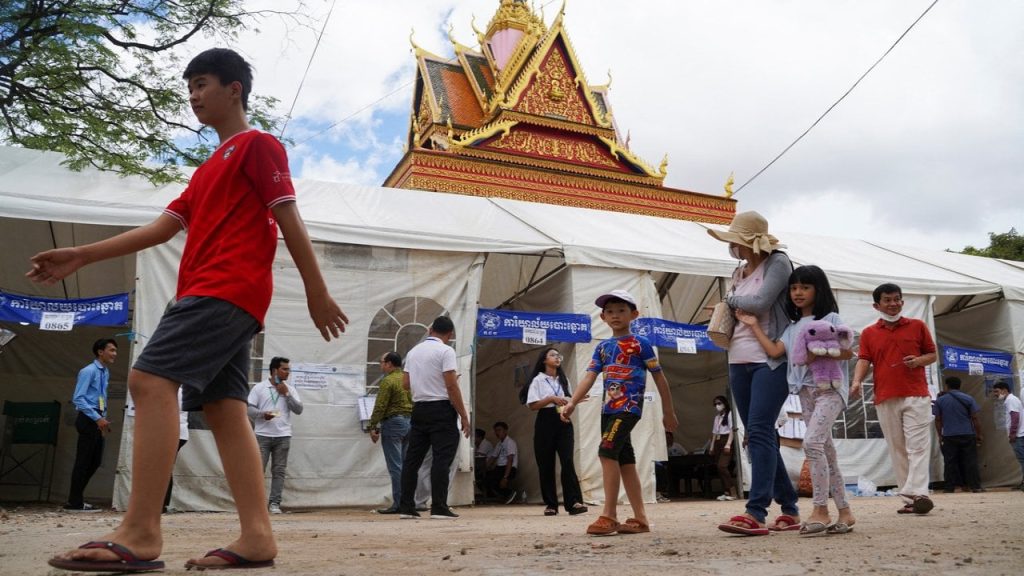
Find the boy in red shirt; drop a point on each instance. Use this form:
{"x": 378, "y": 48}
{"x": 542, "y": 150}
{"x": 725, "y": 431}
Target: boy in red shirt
{"x": 231, "y": 209}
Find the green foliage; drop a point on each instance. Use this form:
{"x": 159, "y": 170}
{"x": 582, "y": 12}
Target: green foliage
{"x": 1008, "y": 246}
{"x": 100, "y": 80}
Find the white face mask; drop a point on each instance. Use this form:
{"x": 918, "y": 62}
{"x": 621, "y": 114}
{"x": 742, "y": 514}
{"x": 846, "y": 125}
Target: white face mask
{"x": 888, "y": 318}
{"x": 734, "y": 251}
{"x": 720, "y": 407}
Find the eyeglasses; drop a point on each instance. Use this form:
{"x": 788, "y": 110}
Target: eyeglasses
{"x": 554, "y": 354}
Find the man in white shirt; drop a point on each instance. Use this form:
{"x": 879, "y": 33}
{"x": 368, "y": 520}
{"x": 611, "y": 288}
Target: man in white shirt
{"x": 1014, "y": 425}
{"x": 429, "y": 374}
{"x": 502, "y": 463}
{"x": 271, "y": 405}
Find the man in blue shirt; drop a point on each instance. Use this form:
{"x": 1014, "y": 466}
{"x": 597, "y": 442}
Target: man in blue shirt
{"x": 90, "y": 400}
{"x": 956, "y": 421}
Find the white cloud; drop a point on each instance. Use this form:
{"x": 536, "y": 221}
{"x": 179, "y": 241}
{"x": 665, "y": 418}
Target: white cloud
{"x": 926, "y": 150}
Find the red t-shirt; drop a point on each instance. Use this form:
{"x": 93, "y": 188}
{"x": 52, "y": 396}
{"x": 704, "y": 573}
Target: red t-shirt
{"x": 885, "y": 347}
{"x": 232, "y": 234}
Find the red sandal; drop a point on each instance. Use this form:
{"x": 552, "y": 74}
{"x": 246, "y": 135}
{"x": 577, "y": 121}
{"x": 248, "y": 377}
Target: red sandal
{"x": 748, "y": 527}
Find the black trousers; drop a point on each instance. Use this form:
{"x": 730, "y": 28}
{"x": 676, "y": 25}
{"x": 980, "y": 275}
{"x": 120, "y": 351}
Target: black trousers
{"x": 87, "y": 459}
{"x": 960, "y": 454}
{"x": 551, "y": 438}
{"x": 434, "y": 427}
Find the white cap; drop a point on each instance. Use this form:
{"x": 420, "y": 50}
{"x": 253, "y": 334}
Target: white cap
{"x": 620, "y": 294}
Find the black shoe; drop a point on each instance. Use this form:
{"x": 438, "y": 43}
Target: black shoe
{"x": 977, "y": 490}
{"x": 408, "y": 514}
{"x": 85, "y": 507}
{"x": 443, "y": 514}
{"x": 510, "y": 498}
{"x": 422, "y": 509}
{"x": 387, "y": 511}
{"x": 949, "y": 490}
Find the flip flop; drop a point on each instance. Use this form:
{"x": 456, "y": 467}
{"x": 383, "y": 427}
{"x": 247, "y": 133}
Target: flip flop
{"x": 750, "y": 527}
{"x": 550, "y": 511}
{"x": 129, "y": 562}
{"x": 922, "y": 505}
{"x": 577, "y": 508}
{"x": 907, "y": 509}
{"x": 233, "y": 561}
{"x": 839, "y": 528}
{"x": 603, "y": 526}
{"x": 634, "y": 526}
{"x": 813, "y": 529}
{"x": 784, "y": 523}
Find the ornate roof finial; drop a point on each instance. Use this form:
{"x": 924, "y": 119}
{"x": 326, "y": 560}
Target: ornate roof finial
{"x": 412, "y": 32}
{"x": 608, "y": 86}
{"x": 728, "y": 186}
{"x": 663, "y": 167}
{"x": 479, "y": 34}
{"x": 451, "y": 34}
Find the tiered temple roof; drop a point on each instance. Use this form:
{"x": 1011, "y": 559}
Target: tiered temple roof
{"x": 516, "y": 118}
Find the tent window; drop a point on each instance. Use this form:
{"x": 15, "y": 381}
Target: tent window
{"x": 256, "y": 359}
{"x": 398, "y": 326}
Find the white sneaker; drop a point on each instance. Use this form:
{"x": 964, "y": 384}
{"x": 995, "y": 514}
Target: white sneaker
{"x": 725, "y": 498}
{"x": 275, "y": 508}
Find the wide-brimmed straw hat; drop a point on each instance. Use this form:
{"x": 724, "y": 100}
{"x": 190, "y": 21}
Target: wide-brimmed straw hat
{"x": 749, "y": 229}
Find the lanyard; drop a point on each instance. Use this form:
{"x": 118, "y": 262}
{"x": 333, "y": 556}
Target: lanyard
{"x": 556, "y": 386}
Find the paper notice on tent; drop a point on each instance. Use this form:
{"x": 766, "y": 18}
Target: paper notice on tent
{"x": 57, "y": 321}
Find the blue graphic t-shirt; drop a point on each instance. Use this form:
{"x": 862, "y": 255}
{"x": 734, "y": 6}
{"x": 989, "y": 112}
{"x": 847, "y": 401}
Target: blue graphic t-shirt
{"x": 624, "y": 362}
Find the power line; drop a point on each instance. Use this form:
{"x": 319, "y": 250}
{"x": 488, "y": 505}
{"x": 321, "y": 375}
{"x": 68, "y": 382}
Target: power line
{"x": 836, "y": 103}
{"x": 306, "y": 73}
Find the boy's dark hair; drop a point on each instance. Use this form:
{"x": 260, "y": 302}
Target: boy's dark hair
{"x": 393, "y": 358}
{"x": 614, "y": 300}
{"x": 824, "y": 299}
{"x": 1002, "y": 385}
{"x": 227, "y": 65}
{"x": 953, "y": 383}
{"x": 887, "y": 288}
{"x": 276, "y": 362}
{"x": 500, "y": 424}
{"x": 479, "y": 432}
{"x": 101, "y": 344}
{"x": 443, "y": 325}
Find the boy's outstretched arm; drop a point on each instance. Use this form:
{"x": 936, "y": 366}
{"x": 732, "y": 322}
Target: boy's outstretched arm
{"x": 54, "y": 265}
{"x": 668, "y": 410}
{"x": 580, "y": 395}
{"x": 326, "y": 314}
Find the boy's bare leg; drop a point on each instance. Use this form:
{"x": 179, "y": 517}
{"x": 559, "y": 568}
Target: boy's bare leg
{"x": 610, "y": 471}
{"x": 631, "y": 482}
{"x": 155, "y": 444}
{"x": 244, "y": 472}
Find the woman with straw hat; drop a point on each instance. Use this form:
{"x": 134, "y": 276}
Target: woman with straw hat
{"x": 758, "y": 383}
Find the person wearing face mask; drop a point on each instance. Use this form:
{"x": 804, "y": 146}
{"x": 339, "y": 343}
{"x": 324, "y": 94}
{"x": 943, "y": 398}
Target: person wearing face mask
{"x": 899, "y": 349}
{"x": 1014, "y": 425}
{"x": 721, "y": 447}
{"x": 760, "y": 287}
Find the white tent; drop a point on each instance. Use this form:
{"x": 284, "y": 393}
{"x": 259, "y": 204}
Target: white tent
{"x": 394, "y": 258}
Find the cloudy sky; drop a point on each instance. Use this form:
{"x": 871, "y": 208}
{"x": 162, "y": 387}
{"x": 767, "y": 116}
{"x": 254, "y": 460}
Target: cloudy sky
{"x": 927, "y": 151}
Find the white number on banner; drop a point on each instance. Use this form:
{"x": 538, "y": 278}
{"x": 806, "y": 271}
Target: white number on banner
{"x": 59, "y": 321}
{"x": 537, "y": 336}
{"x": 975, "y": 368}
{"x": 686, "y": 345}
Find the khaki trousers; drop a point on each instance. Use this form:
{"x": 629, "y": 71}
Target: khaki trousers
{"x": 907, "y": 425}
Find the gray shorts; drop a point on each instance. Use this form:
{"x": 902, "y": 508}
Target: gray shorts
{"x": 203, "y": 344}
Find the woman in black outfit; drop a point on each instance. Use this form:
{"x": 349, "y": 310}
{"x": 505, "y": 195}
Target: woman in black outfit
{"x": 546, "y": 395}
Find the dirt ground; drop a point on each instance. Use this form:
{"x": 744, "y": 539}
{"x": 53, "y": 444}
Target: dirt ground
{"x": 966, "y": 534}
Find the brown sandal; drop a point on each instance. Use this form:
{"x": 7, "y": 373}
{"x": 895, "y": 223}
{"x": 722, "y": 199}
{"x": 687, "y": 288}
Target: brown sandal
{"x": 603, "y": 526}
{"x": 634, "y": 526}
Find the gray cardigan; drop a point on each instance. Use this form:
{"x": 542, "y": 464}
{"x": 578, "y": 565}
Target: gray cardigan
{"x": 772, "y": 298}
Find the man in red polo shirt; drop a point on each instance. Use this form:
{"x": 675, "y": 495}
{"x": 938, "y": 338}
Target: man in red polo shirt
{"x": 900, "y": 348}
